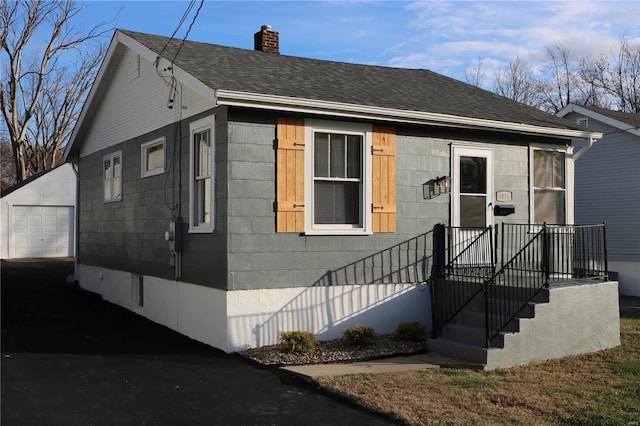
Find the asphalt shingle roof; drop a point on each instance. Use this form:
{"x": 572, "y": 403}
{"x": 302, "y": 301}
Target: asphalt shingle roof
{"x": 229, "y": 68}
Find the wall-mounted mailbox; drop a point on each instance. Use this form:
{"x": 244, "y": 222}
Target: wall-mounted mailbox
{"x": 504, "y": 210}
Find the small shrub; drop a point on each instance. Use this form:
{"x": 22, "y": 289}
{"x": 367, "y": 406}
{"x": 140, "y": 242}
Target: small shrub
{"x": 297, "y": 341}
{"x": 359, "y": 335}
{"x": 412, "y": 331}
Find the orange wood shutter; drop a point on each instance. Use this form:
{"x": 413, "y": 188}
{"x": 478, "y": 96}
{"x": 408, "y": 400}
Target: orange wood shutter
{"x": 290, "y": 175}
{"x": 384, "y": 179}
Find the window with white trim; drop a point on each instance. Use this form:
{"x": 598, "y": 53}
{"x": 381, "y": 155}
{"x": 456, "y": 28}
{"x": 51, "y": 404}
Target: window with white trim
{"x": 338, "y": 178}
{"x": 152, "y": 158}
{"x": 549, "y": 187}
{"x": 112, "y": 176}
{"x": 201, "y": 201}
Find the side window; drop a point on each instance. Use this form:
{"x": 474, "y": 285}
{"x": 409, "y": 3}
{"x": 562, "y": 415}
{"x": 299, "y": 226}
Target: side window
{"x": 549, "y": 187}
{"x": 201, "y": 201}
{"x": 112, "y": 176}
{"x": 153, "y": 158}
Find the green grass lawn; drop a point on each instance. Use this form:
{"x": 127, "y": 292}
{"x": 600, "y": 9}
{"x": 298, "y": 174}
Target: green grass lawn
{"x": 602, "y": 388}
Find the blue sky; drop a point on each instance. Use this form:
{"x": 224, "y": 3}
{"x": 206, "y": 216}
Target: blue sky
{"x": 447, "y": 37}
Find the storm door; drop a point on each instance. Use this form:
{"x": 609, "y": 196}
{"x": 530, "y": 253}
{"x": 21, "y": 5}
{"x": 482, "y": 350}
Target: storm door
{"x": 471, "y": 200}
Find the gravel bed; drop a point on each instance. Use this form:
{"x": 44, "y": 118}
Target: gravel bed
{"x": 334, "y": 351}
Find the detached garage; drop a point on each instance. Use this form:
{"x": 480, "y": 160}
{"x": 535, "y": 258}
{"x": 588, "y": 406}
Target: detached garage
{"x": 38, "y": 216}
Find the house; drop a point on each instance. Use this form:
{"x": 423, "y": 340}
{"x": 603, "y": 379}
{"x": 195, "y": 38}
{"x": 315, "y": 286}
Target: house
{"x": 37, "y": 215}
{"x": 232, "y": 194}
{"x": 607, "y": 186}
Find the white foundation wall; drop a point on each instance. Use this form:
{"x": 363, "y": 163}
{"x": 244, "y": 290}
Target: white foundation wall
{"x": 195, "y": 311}
{"x": 241, "y": 319}
{"x": 255, "y": 317}
{"x": 628, "y": 276}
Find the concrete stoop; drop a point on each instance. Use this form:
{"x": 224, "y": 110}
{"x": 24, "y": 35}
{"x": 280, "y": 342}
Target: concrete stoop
{"x": 562, "y": 321}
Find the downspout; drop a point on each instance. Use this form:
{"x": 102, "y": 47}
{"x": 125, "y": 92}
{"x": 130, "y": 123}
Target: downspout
{"x": 584, "y": 149}
{"x": 76, "y": 226}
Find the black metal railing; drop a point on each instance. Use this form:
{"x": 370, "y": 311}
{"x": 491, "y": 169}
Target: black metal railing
{"x": 548, "y": 253}
{"x": 530, "y": 258}
{"x": 520, "y": 278}
{"x": 463, "y": 260}
{"x": 573, "y": 251}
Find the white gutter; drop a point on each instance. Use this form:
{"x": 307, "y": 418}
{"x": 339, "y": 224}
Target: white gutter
{"x": 584, "y": 149}
{"x": 301, "y": 105}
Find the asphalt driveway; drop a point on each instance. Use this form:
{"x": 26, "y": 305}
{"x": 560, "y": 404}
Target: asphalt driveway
{"x": 69, "y": 358}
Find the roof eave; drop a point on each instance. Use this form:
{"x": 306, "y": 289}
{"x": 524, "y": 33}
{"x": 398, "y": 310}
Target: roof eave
{"x": 600, "y": 117}
{"x": 302, "y": 105}
{"x": 86, "y": 107}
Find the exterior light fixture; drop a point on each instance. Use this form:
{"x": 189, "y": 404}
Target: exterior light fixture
{"x": 436, "y": 186}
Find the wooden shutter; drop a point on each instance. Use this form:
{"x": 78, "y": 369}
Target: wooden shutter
{"x": 290, "y": 175}
{"x": 384, "y": 179}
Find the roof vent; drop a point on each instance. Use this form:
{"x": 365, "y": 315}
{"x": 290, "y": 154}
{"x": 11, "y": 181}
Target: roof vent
{"x": 266, "y": 40}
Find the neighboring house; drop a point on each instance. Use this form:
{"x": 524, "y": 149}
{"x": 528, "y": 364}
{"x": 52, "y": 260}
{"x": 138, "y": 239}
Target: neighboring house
{"x": 607, "y": 186}
{"x": 37, "y": 215}
{"x": 233, "y": 194}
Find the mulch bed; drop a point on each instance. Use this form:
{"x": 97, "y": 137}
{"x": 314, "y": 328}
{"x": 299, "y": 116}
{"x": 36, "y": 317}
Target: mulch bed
{"x": 335, "y": 351}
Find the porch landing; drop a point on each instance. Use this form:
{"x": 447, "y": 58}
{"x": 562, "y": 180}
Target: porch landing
{"x": 579, "y": 317}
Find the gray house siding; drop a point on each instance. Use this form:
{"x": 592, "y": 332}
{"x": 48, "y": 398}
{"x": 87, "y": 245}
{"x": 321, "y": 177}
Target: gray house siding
{"x": 607, "y": 188}
{"x": 261, "y": 258}
{"x": 128, "y": 235}
{"x": 245, "y": 251}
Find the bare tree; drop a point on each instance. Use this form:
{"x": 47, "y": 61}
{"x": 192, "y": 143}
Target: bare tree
{"x": 590, "y": 72}
{"x": 515, "y": 81}
{"x": 49, "y": 64}
{"x": 626, "y": 77}
{"x": 476, "y": 75}
{"x": 7, "y": 166}
{"x": 619, "y": 78}
{"x": 560, "y": 83}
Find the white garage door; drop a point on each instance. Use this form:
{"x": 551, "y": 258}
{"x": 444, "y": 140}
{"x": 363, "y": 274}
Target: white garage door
{"x": 42, "y": 231}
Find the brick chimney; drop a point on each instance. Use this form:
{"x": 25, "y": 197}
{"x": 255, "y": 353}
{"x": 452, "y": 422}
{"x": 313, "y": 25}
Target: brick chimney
{"x": 266, "y": 40}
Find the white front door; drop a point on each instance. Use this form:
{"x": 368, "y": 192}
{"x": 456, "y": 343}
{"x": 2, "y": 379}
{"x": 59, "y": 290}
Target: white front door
{"x": 472, "y": 187}
{"x": 471, "y": 204}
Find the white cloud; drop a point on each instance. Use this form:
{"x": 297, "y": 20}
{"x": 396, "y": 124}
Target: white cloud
{"x": 449, "y": 36}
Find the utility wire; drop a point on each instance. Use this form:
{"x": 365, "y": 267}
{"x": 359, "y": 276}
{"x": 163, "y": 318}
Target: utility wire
{"x": 193, "y": 21}
{"x": 184, "y": 17}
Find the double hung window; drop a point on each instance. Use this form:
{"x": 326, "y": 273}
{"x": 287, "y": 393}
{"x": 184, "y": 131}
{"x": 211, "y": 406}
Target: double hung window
{"x": 335, "y": 178}
{"x": 201, "y": 204}
{"x": 338, "y": 178}
{"x": 549, "y": 187}
{"x": 112, "y": 176}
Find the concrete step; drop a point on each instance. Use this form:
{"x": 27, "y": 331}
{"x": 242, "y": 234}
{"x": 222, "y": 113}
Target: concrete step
{"x": 478, "y": 305}
{"x": 477, "y": 319}
{"x": 475, "y": 336}
{"x": 467, "y": 352}
{"x": 464, "y": 337}
{"x": 518, "y": 293}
